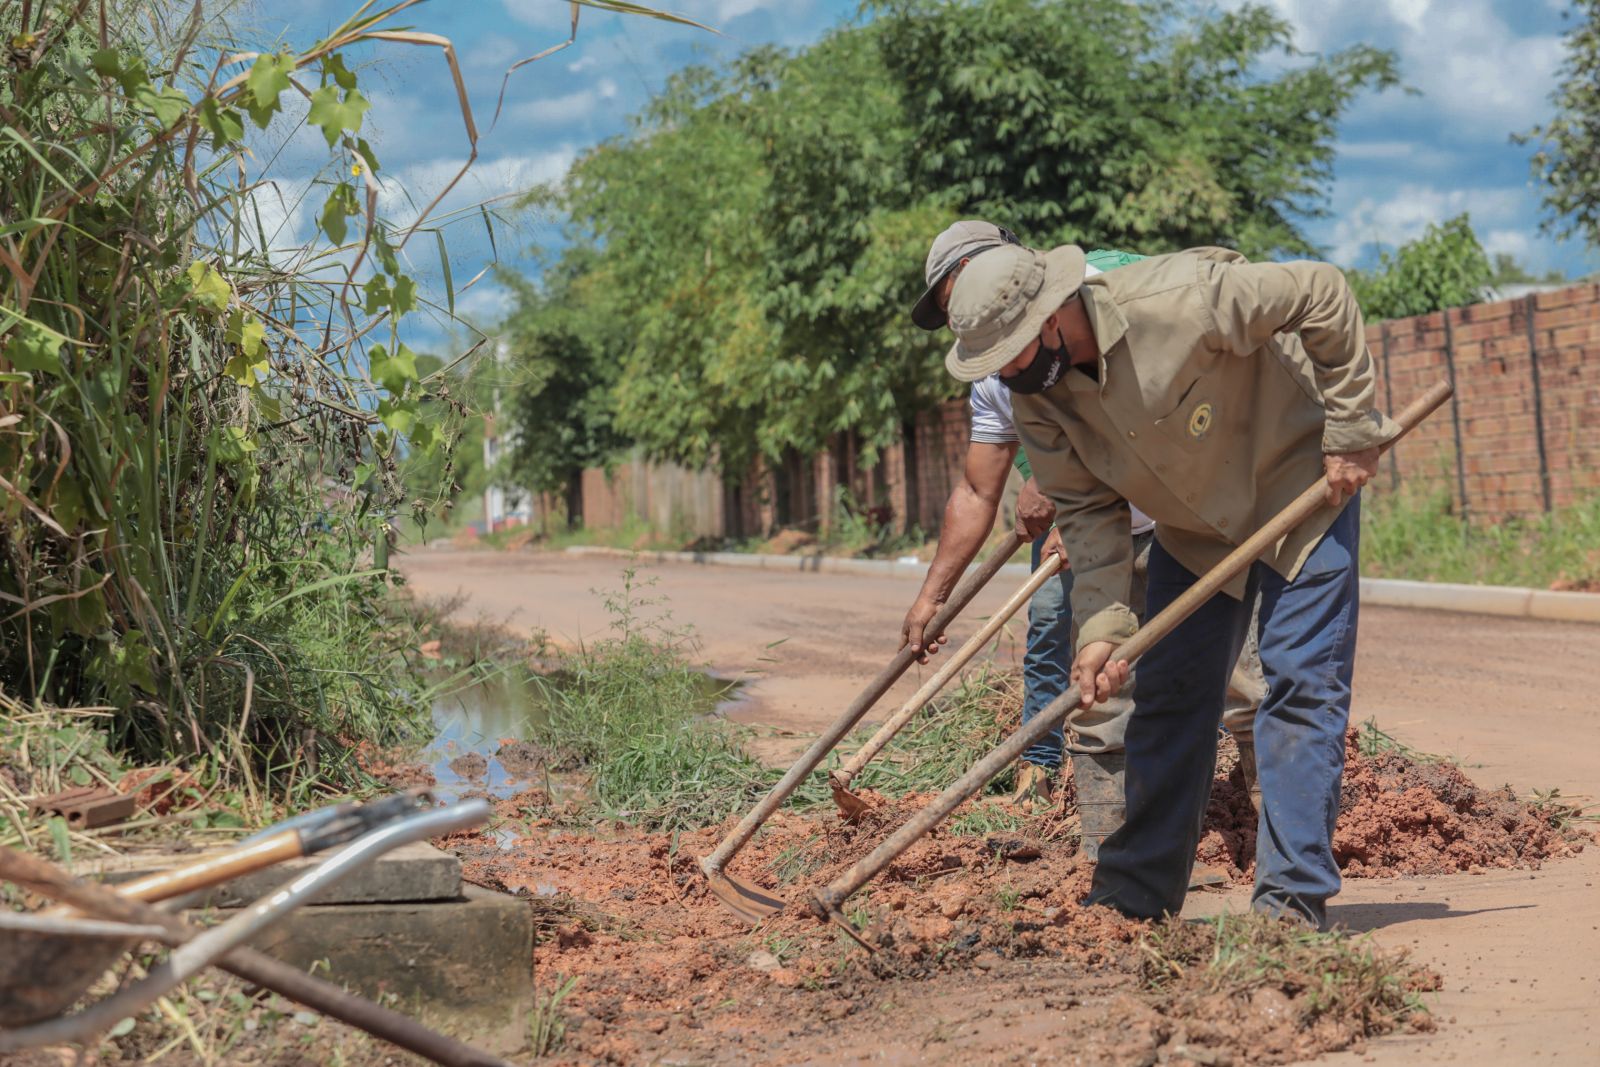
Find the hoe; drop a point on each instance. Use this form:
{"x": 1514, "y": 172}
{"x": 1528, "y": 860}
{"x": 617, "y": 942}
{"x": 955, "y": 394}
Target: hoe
{"x": 746, "y": 900}
{"x": 852, "y": 807}
{"x": 826, "y": 901}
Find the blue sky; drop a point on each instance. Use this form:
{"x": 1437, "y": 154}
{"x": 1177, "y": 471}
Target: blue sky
{"x": 1482, "y": 68}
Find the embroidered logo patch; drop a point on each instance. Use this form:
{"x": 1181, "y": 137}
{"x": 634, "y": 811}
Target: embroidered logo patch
{"x": 1200, "y": 421}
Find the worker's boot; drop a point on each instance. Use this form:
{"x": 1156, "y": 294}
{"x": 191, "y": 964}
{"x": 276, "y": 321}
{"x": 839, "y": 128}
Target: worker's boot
{"x": 1247, "y": 768}
{"x": 1033, "y": 787}
{"x": 1098, "y": 777}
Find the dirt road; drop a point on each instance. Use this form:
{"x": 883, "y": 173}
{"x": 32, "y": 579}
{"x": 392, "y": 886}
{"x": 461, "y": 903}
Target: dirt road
{"x": 1513, "y": 701}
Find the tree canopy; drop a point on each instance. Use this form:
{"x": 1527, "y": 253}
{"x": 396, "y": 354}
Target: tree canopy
{"x": 1446, "y": 267}
{"x": 739, "y": 268}
{"x": 1567, "y": 162}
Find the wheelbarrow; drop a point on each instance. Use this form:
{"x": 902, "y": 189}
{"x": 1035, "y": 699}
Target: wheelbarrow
{"x": 49, "y": 959}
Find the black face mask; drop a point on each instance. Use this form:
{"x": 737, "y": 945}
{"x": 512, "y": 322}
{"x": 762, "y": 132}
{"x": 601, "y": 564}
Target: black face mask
{"x": 1041, "y": 374}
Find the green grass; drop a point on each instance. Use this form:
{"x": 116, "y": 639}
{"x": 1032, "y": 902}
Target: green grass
{"x": 1335, "y": 976}
{"x": 547, "y": 1027}
{"x": 956, "y": 730}
{"x": 633, "y": 713}
{"x": 1414, "y": 534}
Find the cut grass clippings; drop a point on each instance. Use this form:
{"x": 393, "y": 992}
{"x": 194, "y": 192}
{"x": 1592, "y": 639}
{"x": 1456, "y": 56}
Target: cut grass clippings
{"x": 1256, "y": 965}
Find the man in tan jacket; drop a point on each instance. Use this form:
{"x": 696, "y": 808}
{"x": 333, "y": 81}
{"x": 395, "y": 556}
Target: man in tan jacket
{"x": 1209, "y": 391}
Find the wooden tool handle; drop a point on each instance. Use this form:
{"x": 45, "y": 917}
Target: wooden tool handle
{"x": 826, "y": 900}
{"x": 869, "y": 696}
{"x": 956, "y": 660}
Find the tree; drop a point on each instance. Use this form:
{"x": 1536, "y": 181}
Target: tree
{"x": 1507, "y": 271}
{"x": 1567, "y": 161}
{"x": 560, "y": 396}
{"x": 1446, "y": 267}
{"x": 745, "y": 257}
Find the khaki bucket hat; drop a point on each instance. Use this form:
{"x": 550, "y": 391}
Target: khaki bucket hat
{"x": 1001, "y": 300}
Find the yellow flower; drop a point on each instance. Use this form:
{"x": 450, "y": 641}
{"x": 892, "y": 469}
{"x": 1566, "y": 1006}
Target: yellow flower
{"x": 355, "y": 170}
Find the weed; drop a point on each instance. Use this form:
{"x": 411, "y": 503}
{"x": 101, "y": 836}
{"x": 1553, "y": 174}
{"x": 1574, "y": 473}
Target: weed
{"x": 949, "y": 736}
{"x": 1560, "y": 811}
{"x": 784, "y": 948}
{"x": 798, "y": 860}
{"x": 547, "y": 1027}
{"x": 631, "y": 710}
{"x": 1325, "y": 975}
{"x": 980, "y": 820}
{"x": 1008, "y": 897}
{"x": 1415, "y": 533}
{"x": 1371, "y": 741}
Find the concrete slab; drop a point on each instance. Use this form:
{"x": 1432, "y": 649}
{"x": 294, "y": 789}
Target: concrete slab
{"x": 411, "y": 873}
{"x": 465, "y": 966}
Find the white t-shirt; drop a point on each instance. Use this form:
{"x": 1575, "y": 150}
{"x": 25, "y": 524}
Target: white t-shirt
{"x": 992, "y": 424}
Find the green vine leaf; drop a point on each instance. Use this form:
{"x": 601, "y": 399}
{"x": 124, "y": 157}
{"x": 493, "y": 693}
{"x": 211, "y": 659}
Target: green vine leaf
{"x": 340, "y": 206}
{"x": 31, "y": 347}
{"x": 335, "y": 114}
{"x": 209, "y": 289}
{"x": 333, "y": 67}
{"x": 168, "y": 105}
{"x": 222, "y": 123}
{"x": 268, "y": 79}
{"x": 404, "y": 295}
{"x": 394, "y": 372}
{"x": 377, "y": 294}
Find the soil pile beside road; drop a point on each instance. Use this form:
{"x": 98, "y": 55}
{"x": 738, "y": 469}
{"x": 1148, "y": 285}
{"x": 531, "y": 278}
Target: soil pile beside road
{"x": 661, "y": 970}
{"x": 1401, "y": 813}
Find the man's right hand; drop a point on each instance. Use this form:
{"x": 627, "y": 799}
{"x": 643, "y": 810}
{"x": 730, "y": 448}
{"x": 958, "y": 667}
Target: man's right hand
{"x": 1097, "y": 675}
{"x": 912, "y": 630}
{"x": 1036, "y": 512}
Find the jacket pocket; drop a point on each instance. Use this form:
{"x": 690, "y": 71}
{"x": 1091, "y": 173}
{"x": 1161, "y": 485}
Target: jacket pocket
{"x": 1191, "y": 424}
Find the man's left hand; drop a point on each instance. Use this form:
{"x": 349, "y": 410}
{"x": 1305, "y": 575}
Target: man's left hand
{"x": 1348, "y": 472}
{"x": 1036, "y": 513}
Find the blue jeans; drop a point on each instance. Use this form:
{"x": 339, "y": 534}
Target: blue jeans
{"x": 1047, "y": 666}
{"x": 1308, "y": 640}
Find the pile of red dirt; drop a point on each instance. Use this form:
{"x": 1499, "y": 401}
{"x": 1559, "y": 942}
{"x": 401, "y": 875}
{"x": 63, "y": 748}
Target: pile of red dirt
{"x": 1398, "y": 815}
{"x": 662, "y": 970}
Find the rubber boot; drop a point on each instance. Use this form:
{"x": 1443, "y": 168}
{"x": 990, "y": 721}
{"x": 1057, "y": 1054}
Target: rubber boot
{"x": 1247, "y": 767}
{"x": 1033, "y": 791}
{"x": 1102, "y": 808}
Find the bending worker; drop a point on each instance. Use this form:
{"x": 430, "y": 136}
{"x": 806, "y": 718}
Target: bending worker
{"x": 969, "y": 515}
{"x": 1210, "y": 391}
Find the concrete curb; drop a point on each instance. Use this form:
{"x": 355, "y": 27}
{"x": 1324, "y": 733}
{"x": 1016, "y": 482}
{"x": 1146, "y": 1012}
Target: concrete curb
{"x": 1482, "y": 599}
{"x": 1384, "y": 592}
{"x": 879, "y": 568}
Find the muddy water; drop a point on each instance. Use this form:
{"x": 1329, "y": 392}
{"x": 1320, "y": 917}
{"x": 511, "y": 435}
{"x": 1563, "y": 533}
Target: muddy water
{"x": 474, "y": 724}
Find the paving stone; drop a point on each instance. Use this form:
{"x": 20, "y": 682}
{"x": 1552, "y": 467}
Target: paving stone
{"x": 464, "y": 965}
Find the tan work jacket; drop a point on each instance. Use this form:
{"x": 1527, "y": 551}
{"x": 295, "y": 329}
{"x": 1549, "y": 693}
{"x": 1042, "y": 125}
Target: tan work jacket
{"x": 1221, "y": 385}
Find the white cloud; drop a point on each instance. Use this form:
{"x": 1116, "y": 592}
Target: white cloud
{"x": 560, "y": 110}
{"x": 582, "y": 64}
{"x": 414, "y": 186}
{"x": 1463, "y": 56}
{"x": 1519, "y": 244}
{"x": 541, "y": 14}
{"x": 1399, "y": 218}
{"x": 485, "y": 304}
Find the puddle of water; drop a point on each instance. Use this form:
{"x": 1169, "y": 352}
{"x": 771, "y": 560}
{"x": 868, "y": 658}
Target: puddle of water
{"x": 510, "y": 706}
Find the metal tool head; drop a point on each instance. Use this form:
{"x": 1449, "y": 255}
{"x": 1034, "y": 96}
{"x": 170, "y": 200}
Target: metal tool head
{"x": 837, "y": 918}
{"x": 851, "y": 807}
{"x": 743, "y": 899}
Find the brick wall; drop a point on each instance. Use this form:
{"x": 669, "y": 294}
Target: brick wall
{"x": 1523, "y": 431}
{"x": 1521, "y": 435}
